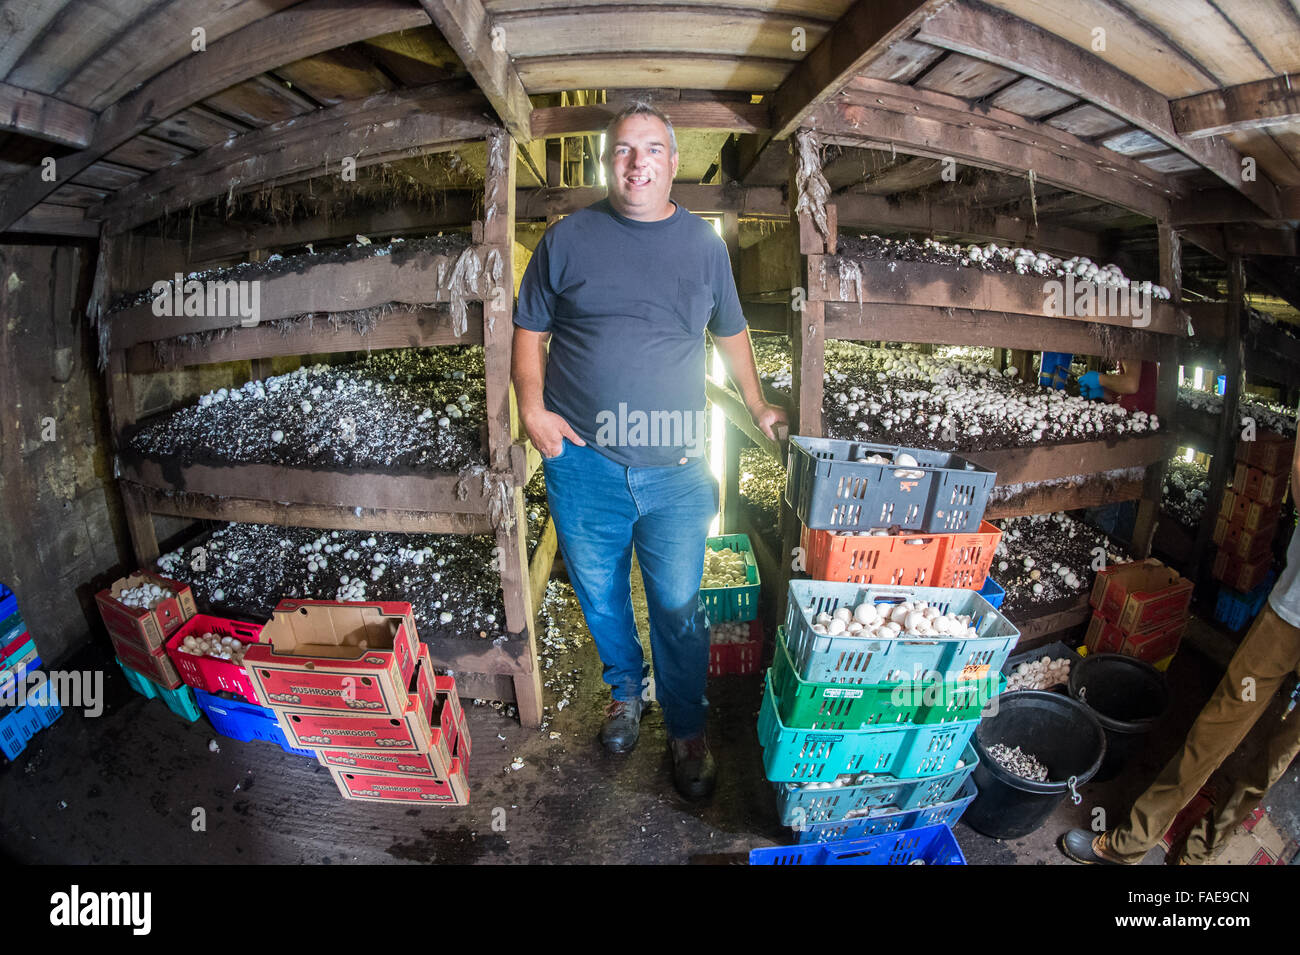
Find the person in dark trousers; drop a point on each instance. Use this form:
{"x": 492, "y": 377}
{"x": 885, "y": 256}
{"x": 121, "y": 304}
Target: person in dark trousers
{"x": 625, "y": 291}
{"x": 1269, "y": 654}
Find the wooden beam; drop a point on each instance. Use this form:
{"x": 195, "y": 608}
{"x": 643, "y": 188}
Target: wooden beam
{"x": 1050, "y": 462}
{"x": 482, "y": 47}
{"x": 298, "y": 514}
{"x": 734, "y": 408}
{"x": 943, "y": 286}
{"x": 1272, "y": 101}
{"x": 44, "y": 117}
{"x": 921, "y": 214}
{"x": 874, "y": 114}
{"x": 301, "y": 31}
{"x": 1064, "y": 497}
{"x": 765, "y": 202}
{"x": 1012, "y": 43}
{"x": 324, "y": 288}
{"x": 865, "y": 32}
{"x": 718, "y": 114}
{"x": 1217, "y": 206}
{"x": 405, "y": 123}
{"x": 50, "y": 219}
{"x": 421, "y": 328}
{"x": 1035, "y": 631}
{"x": 942, "y": 325}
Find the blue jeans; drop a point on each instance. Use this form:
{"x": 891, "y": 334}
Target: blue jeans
{"x": 601, "y": 509}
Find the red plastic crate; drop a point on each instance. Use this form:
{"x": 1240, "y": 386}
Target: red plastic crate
{"x": 738, "y": 659}
{"x": 209, "y": 673}
{"x": 909, "y": 560}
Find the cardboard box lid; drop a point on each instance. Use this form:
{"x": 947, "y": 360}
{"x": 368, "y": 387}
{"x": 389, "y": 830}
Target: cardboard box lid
{"x": 331, "y": 631}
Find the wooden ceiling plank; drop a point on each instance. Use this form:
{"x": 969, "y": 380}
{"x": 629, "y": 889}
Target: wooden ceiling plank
{"x": 1087, "y": 121}
{"x": 828, "y": 10}
{"x": 335, "y": 75}
{"x": 1131, "y": 46}
{"x": 1202, "y": 32}
{"x": 1270, "y": 158}
{"x": 962, "y": 76}
{"x": 903, "y": 62}
{"x": 552, "y": 74}
{"x": 310, "y": 27}
{"x": 1272, "y": 27}
{"x": 24, "y": 20}
{"x": 1016, "y": 44}
{"x": 370, "y": 130}
{"x": 257, "y": 103}
{"x": 711, "y": 114}
{"x": 146, "y": 152}
{"x": 1267, "y": 102}
{"x": 1033, "y": 99}
{"x": 49, "y": 218}
{"x": 864, "y": 33}
{"x": 197, "y": 128}
{"x": 71, "y": 39}
{"x": 44, "y": 117}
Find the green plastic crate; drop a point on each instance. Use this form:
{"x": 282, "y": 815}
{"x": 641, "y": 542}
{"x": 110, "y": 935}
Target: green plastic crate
{"x": 792, "y": 755}
{"x": 734, "y": 603}
{"x": 180, "y": 700}
{"x": 836, "y": 706}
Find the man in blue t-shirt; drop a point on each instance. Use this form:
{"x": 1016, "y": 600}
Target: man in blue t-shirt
{"x": 625, "y": 290}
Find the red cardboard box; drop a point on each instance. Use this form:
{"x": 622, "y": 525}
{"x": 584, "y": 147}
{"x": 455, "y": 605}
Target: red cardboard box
{"x": 1246, "y": 545}
{"x": 384, "y": 787}
{"x": 1103, "y": 636}
{"x": 1228, "y": 504}
{"x": 311, "y": 657}
{"x": 155, "y": 664}
{"x": 1270, "y": 452}
{"x": 1239, "y": 575}
{"x": 462, "y": 745}
{"x": 1259, "y": 516}
{"x": 1141, "y": 596}
{"x": 1272, "y": 488}
{"x": 1155, "y": 646}
{"x": 146, "y": 629}
{"x": 409, "y": 731}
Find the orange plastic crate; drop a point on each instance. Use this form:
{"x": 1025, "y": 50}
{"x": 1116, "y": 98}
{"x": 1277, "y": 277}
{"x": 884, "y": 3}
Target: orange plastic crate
{"x": 909, "y": 560}
{"x": 967, "y": 558}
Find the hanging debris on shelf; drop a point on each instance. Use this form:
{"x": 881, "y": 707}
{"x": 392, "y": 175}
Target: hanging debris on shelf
{"x": 498, "y": 489}
{"x": 814, "y": 190}
{"x": 496, "y": 171}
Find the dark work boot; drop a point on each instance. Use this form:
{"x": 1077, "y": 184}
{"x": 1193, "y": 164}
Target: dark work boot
{"x": 622, "y": 725}
{"x": 1082, "y": 846}
{"x": 694, "y": 771}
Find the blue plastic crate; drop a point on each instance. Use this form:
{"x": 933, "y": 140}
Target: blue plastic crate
{"x": 795, "y": 755}
{"x": 243, "y": 721}
{"x": 1235, "y": 609}
{"x": 17, "y": 726}
{"x": 820, "y": 658}
{"x": 801, "y": 805}
{"x": 927, "y": 845}
{"x": 11, "y": 628}
{"x": 180, "y": 700}
{"x": 879, "y": 821}
{"x": 993, "y": 592}
{"x": 9, "y": 679}
{"x": 8, "y": 602}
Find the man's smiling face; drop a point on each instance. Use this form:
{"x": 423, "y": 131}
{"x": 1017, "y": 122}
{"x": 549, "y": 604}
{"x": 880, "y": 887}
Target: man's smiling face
{"x": 639, "y": 169}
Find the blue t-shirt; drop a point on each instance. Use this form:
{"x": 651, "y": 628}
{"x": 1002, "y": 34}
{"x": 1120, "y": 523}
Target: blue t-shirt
{"x": 627, "y": 304}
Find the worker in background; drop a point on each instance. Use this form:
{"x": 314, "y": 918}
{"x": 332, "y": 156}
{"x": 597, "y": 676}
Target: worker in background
{"x": 1268, "y": 655}
{"x": 625, "y": 290}
{"x": 1134, "y": 389}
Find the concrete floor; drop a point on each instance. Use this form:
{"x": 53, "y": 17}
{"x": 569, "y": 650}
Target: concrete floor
{"x": 124, "y": 787}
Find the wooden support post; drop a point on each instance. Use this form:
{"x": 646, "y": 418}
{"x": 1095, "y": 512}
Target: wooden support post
{"x": 505, "y": 457}
{"x": 1225, "y": 446}
{"x": 1171, "y": 277}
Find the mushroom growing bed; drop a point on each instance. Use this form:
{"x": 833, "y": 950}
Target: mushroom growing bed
{"x": 244, "y": 570}
{"x": 1186, "y": 487}
{"x": 1045, "y": 563}
{"x": 905, "y": 396}
{"x": 1268, "y": 415}
{"x": 762, "y": 482}
{"x": 407, "y": 409}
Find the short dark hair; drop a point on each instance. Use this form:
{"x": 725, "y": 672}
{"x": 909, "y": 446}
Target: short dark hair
{"x": 641, "y": 108}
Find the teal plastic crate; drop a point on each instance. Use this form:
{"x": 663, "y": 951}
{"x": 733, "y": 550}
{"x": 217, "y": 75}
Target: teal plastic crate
{"x": 738, "y": 603}
{"x": 180, "y": 700}
{"x": 820, "y": 658}
{"x": 800, "y": 755}
{"x": 928, "y": 845}
{"x": 801, "y": 805}
{"x": 888, "y": 819}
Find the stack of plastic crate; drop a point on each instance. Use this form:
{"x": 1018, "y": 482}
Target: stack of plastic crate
{"x": 865, "y": 735}
{"x": 22, "y": 714}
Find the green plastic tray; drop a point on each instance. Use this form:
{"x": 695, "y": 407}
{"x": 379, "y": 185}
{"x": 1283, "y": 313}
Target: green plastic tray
{"x": 836, "y": 706}
{"x": 180, "y": 700}
{"x": 733, "y": 603}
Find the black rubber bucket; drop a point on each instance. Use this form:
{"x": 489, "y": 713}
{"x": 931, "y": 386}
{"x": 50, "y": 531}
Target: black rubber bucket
{"x": 1065, "y": 736}
{"x": 1127, "y": 695}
